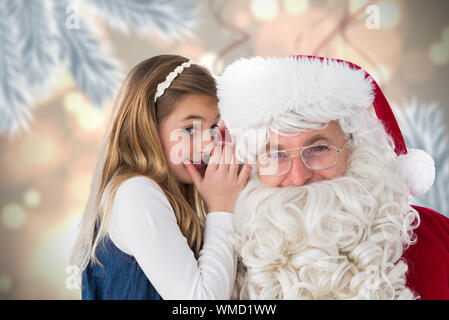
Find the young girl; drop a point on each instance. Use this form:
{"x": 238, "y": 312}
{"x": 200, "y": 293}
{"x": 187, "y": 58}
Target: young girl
{"x": 156, "y": 225}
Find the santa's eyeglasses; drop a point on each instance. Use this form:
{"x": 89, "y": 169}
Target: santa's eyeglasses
{"x": 314, "y": 157}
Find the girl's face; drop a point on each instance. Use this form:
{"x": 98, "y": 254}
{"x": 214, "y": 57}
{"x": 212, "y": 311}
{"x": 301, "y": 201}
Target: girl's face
{"x": 189, "y": 132}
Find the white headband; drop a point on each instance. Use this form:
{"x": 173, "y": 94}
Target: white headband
{"x": 161, "y": 87}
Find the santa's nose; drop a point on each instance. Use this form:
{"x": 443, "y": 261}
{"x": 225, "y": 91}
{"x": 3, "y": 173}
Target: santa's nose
{"x": 299, "y": 174}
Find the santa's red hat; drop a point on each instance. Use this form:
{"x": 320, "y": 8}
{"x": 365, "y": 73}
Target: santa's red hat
{"x": 252, "y": 92}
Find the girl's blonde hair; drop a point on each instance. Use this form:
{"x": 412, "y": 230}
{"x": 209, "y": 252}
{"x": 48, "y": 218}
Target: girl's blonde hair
{"x": 132, "y": 147}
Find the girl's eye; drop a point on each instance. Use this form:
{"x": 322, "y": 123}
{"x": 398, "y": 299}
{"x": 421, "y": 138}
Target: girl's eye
{"x": 276, "y": 155}
{"x": 213, "y": 127}
{"x": 188, "y": 130}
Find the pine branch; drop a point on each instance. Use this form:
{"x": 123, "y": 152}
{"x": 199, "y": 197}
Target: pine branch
{"x": 167, "y": 17}
{"x": 422, "y": 128}
{"x": 14, "y": 100}
{"x": 35, "y": 38}
{"x": 38, "y": 32}
{"x": 95, "y": 72}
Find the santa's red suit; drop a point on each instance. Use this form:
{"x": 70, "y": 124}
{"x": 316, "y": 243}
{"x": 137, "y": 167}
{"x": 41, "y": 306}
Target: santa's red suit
{"x": 428, "y": 259}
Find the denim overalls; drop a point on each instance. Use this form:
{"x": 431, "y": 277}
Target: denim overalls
{"x": 120, "y": 277}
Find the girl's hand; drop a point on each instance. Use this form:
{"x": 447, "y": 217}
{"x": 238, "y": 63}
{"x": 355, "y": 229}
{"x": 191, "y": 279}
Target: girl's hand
{"x": 222, "y": 182}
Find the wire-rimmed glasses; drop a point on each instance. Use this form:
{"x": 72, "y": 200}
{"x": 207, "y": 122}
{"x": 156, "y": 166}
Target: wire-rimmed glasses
{"x": 314, "y": 157}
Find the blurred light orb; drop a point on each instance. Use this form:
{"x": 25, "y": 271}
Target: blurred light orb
{"x": 32, "y": 198}
{"x": 265, "y": 9}
{"x": 89, "y": 117}
{"x": 390, "y": 15}
{"x": 296, "y": 6}
{"x": 73, "y": 100}
{"x": 5, "y": 283}
{"x": 13, "y": 216}
{"x": 439, "y": 53}
{"x": 355, "y": 5}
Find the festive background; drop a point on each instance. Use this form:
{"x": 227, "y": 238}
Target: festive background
{"x": 62, "y": 61}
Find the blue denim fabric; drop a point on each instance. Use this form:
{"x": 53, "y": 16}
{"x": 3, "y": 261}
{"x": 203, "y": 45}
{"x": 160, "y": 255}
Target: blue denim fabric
{"x": 120, "y": 277}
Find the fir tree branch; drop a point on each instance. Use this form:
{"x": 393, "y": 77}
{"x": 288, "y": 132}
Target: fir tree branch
{"x": 14, "y": 100}
{"x": 422, "y": 128}
{"x": 167, "y": 17}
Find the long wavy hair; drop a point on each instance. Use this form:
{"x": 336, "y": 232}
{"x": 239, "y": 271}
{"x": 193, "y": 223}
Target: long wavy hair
{"x": 132, "y": 147}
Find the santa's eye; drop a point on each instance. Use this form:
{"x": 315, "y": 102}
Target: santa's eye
{"x": 316, "y": 150}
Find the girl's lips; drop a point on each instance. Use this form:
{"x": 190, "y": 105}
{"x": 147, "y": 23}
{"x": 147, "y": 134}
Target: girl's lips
{"x": 201, "y": 165}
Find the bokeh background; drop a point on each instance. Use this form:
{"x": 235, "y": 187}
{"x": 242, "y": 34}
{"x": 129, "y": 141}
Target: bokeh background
{"x": 62, "y": 61}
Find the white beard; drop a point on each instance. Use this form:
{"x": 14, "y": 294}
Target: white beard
{"x": 333, "y": 239}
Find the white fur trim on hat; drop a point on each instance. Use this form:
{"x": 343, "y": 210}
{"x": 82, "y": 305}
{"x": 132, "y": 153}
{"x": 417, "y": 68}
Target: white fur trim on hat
{"x": 417, "y": 168}
{"x": 252, "y": 92}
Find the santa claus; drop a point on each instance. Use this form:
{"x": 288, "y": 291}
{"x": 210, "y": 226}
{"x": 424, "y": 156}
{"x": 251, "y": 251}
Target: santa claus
{"x": 326, "y": 213}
